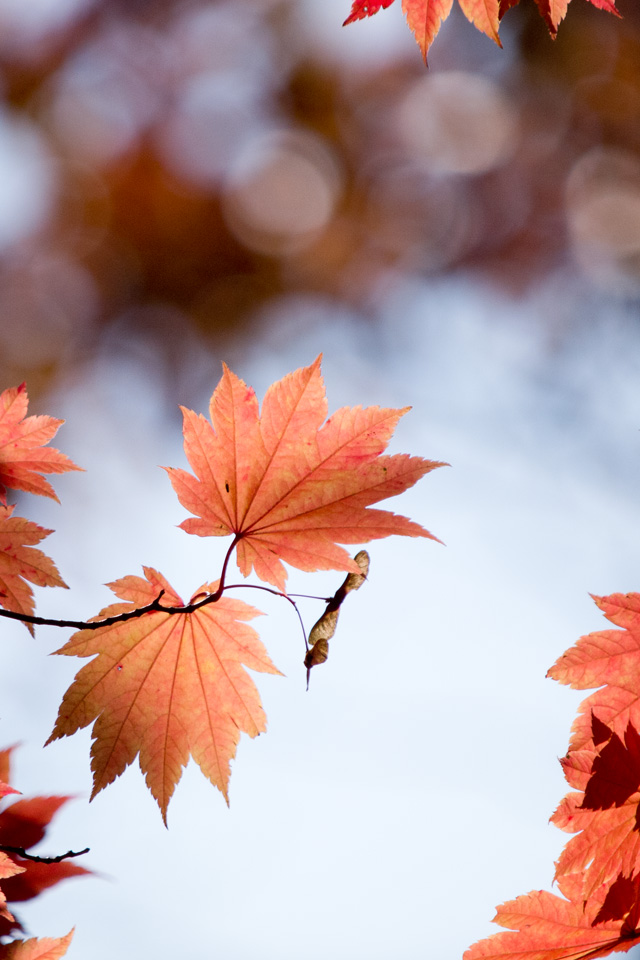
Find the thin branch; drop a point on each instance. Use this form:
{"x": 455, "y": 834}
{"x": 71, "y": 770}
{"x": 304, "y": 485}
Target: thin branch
{"x": 85, "y": 624}
{"x": 156, "y": 607}
{"x": 21, "y": 852}
{"x": 152, "y": 607}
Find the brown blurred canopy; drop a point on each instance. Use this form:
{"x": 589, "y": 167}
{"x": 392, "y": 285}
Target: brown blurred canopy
{"x": 169, "y": 168}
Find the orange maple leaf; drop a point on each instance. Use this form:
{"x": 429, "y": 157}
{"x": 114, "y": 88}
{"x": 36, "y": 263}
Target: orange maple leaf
{"x": 45, "y": 948}
{"x": 7, "y": 869}
{"x": 21, "y": 562}
{"x": 545, "y": 927}
{"x": 287, "y": 485}
{"x": 23, "y": 456}
{"x": 425, "y": 17}
{"x": 609, "y": 659}
{"x": 165, "y": 686}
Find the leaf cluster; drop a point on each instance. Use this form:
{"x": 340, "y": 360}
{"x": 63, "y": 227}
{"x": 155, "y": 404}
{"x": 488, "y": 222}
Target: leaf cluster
{"x": 23, "y": 876}
{"x": 598, "y": 872}
{"x": 425, "y": 17}
{"x": 167, "y": 680}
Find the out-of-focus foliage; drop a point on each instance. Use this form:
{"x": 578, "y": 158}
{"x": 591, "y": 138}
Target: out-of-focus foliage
{"x": 170, "y": 169}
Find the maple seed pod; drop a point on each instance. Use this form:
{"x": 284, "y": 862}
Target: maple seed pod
{"x": 318, "y": 653}
{"x": 324, "y": 628}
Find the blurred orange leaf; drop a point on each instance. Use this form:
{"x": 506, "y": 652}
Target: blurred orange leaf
{"x": 23, "y": 454}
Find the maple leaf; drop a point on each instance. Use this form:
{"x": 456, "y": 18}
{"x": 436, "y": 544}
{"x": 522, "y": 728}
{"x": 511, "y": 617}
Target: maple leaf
{"x": 609, "y": 659}
{"x": 622, "y": 902}
{"x": 165, "y": 686}
{"x": 36, "y": 878}
{"x": 425, "y": 17}
{"x": 605, "y": 814}
{"x": 23, "y": 456}
{"x": 553, "y": 13}
{"x": 23, "y": 824}
{"x": 365, "y": 8}
{"x": 615, "y": 774}
{"x": 20, "y": 561}
{"x": 288, "y": 486}
{"x": 545, "y": 927}
{"x": 7, "y": 869}
{"x": 45, "y": 948}
{"x": 5, "y": 764}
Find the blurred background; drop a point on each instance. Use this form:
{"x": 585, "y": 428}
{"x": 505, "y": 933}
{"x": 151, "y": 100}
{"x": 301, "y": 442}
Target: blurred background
{"x": 183, "y": 183}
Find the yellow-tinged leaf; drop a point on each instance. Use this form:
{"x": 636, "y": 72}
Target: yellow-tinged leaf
{"x": 425, "y": 18}
{"x": 485, "y": 15}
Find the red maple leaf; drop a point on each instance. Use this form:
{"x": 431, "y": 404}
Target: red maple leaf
{"x": 23, "y": 454}
{"x": 23, "y": 824}
{"x": 545, "y": 927}
{"x": 615, "y": 774}
{"x": 165, "y": 686}
{"x": 365, "y": 8}
{"x": 21, "y": 562}
{"x": 609, "y": 659}
{"x": 288, "y": 485}
{"x": 604, "y": 814}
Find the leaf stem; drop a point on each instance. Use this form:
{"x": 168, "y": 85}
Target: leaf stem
{"x": 276, "y": 593}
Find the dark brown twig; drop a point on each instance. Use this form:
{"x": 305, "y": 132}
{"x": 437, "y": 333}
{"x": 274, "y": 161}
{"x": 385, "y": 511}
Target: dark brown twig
{"x": 152, "y": 607}
{"x": 21, "y": 852}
